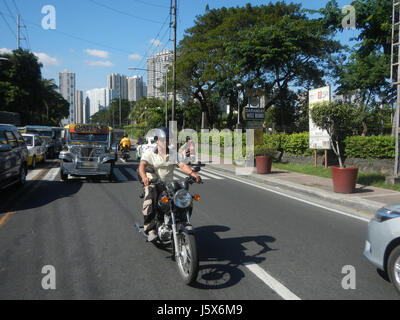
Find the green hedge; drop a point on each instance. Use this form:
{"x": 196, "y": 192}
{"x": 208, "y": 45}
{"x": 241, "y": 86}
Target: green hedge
{"x": 372, "y": 147}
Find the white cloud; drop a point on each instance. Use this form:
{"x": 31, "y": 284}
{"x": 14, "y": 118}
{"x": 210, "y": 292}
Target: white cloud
{"x": 97, "y": 53}
{"x": 45, "y": 59}
{"x": 99, "y": 63}
{"x": 155, "y": 42}
{"x": 5, "y": 51}
{"x": 134, "y": 56}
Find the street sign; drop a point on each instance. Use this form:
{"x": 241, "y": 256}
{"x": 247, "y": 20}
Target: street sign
{"x": 319, "y": 138}
{"x": 255, "y": 113}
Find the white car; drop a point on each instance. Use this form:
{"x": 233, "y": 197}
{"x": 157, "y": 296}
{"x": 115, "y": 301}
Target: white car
{"x": 149, "y": 143}
{"x": 36, "y": 149}
{"x": 382, "y": 247}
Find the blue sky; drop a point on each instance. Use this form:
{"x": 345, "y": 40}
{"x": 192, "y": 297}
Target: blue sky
{"x": 94, "y": 38}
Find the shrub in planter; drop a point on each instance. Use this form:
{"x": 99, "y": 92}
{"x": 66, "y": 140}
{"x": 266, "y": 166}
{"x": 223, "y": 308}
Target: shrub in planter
{"x": 264, "y": 156}
{"x": 338, "y": 119}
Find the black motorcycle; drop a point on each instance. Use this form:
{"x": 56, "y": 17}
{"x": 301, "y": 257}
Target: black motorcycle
{"x": 173, "y": 211}
{"x": 125, "y": 153}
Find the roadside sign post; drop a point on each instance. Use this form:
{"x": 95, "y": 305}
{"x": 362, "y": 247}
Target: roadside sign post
{"x": 319, "y": 139}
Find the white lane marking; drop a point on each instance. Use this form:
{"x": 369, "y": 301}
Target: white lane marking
{"x": 298, "y": 199}
{"x": 208, "y": 174}
{"x": 33, "y": 173}
{"x": 122, "y": 160}
{"x": 271, "y": 282}
{"x": 119, "y": 175}
{"x": 132, "y": 173}
{"x": 51, "y": 175}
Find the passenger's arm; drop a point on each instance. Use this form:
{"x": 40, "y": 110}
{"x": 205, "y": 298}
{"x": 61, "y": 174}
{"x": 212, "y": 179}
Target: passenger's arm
{"x": 142, "y": 173}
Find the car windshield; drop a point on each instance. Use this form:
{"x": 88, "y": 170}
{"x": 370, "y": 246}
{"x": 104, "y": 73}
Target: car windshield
{"x": 28, "y": 140}
{"x": 89, "y": 137}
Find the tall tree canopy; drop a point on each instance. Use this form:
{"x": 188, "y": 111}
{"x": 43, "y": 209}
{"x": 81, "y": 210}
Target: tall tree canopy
{"x": 23, "y": 90}
{"x": 271, "y": 47}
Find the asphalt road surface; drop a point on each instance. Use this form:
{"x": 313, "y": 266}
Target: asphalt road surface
{"x": 253, "y": 244}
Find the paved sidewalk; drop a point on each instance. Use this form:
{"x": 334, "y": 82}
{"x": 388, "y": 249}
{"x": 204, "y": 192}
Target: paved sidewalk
{"x": 366, "y": 198}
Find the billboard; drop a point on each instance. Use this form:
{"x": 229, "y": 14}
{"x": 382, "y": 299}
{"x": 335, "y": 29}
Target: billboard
{"x": 319, "y": 138}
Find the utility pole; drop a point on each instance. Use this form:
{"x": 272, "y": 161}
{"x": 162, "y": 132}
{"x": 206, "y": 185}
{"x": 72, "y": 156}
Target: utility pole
{"x": 19, "y": 32}
{"x": 174, "y": 67}
{"x": 395, "y": 80}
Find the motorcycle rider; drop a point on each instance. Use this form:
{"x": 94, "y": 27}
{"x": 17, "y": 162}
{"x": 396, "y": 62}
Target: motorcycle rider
{"x": 188, "y": 148}
{"x": 163, "y": 165}
{"x": 125, "y": 142}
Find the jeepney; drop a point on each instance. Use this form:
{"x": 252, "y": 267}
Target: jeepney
{"x": 87, "y": 151}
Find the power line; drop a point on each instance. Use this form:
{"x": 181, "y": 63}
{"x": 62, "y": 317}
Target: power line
{"x": 150, "y": 4}
{"x": 75, "y": 37}
{"x": 9, "y": 27}
{"x": 152, "y": 44}
{"x": 122, "y": 12}
{"x": 8, "y": 9}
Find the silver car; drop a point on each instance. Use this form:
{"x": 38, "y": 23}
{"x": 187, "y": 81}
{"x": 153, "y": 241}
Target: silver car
{"x": 382, "y": 247}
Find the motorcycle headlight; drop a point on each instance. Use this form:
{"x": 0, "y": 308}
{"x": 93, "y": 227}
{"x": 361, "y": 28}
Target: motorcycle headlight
{"x": 182, "y": 199}
{"x": 384, "y": 214}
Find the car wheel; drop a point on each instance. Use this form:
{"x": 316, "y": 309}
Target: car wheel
{"x": 394, "y": 268}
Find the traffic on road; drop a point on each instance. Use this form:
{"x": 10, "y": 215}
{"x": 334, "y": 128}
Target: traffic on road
{"x": 81, "y": 237}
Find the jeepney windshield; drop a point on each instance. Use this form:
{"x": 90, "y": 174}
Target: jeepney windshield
{"x": 89, "y": 137}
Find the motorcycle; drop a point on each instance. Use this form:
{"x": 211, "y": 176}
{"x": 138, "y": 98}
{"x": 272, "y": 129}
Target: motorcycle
{"x": 125, "y": 153}
{"x": 173, "y": 211}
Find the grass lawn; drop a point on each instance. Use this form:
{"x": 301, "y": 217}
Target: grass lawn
{"x": 368, "y": 179}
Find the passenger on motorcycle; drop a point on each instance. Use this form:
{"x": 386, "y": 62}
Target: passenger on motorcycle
{"x": 188, "y": 148}
{"x": 162, "y": 161}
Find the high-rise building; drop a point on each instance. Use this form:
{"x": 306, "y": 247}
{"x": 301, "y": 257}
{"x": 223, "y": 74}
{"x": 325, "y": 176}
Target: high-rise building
{"x": 67, "y": 89}
{"x": 135, "y": 88}
{"x": 157, "y": 66}
{"x": 98, "y": 99}
{"x": 79, "y": 107}
{"x": 118, "y": 82}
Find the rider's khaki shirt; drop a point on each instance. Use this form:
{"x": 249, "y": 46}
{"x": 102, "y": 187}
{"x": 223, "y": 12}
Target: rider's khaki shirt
{"x": 164, "y": 169}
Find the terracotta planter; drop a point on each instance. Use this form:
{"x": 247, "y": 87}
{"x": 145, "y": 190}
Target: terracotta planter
{"x": 344, "y": 179}
{"x": 263, "y": 164}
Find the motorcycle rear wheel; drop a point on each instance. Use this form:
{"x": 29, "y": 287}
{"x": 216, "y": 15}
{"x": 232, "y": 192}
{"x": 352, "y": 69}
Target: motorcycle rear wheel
{"x": 188, "y": 260}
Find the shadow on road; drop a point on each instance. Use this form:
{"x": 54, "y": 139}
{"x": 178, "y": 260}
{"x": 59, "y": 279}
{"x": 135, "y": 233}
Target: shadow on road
{"x": 221, "y": 259}
{"x": 40, "y": 193}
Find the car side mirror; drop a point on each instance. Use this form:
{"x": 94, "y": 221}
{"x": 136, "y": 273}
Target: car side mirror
{"x": 5, "y": 148}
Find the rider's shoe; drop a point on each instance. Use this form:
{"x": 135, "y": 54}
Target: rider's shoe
{"x": 152, "y": 236}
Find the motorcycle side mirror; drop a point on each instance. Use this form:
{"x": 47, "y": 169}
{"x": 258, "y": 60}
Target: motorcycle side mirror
{"x": 196, "y": 169}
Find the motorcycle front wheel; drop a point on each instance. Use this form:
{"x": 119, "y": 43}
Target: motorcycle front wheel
{"x": 187, "y": 259}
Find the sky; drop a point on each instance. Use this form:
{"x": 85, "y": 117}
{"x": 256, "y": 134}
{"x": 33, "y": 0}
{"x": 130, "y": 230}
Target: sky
{"x": 94, "y": 38}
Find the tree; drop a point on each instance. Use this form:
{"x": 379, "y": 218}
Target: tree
{"x": 23, "y": 90}
{"x": 367, "y": 70}
{"x": 271, "y": 47}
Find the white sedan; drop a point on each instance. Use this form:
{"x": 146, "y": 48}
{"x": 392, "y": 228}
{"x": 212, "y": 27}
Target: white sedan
{"x": 36, "y": 149}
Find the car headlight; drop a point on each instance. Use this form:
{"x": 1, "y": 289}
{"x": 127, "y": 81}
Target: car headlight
{"x": 384, "y": 214}
{"x": 182, "y": 199}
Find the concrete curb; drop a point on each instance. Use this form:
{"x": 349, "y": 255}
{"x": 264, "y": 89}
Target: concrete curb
{"x": 354, "y": 203}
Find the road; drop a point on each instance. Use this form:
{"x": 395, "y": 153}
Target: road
{"x": 253, "y": 243}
